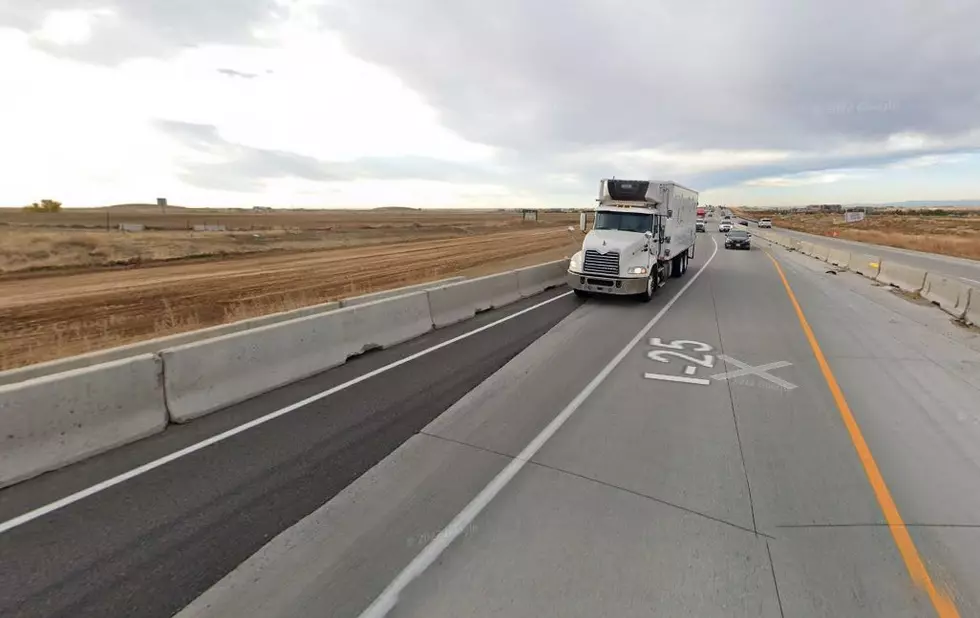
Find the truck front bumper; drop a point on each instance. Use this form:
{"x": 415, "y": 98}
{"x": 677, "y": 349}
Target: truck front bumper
{"x": 602, "y": 284}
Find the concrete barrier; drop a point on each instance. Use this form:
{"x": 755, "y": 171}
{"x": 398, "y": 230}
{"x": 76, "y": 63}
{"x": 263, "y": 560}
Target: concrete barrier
{"x": 368, "y": 298}
{"x": 806, "y": 248}
{"x": 52, "y": 421}
{"x": 839, "y": 258}
{"x": 951, "y": 295}
{"x": 972, "y": 315}
{"x": 209, "y": 375}
{"x": 536, "y": 279}
{"x": 901, "y": 276}
{"x": 864, "y": 264}
{"x": 20, "y": 374}
{"x": 384, "y": 323}
{"x": 821, "y": 252}
{"x": 460, "y": 301}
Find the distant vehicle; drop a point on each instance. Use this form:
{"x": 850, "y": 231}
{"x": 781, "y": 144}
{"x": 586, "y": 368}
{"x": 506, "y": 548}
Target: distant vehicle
{"x": 725, "y": 226}
{"x": 765, "y": 222}
{"x": 699, "y": 225}
{"x": 744, "y": 222}
{"x": 701, "y": 212}
{"x": 737, "y": 239}
{"x": 643, "y": 233}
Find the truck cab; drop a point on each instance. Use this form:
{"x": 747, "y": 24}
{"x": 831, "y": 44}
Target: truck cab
{"x": 635, "y": 243}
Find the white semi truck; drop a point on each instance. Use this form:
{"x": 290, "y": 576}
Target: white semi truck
{"x": 643, "y": 234}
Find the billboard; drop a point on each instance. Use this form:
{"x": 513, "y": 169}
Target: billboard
{"x": 853, "y": 216}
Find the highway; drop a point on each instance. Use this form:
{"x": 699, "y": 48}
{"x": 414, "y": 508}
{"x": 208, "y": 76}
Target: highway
{"x": 962, "y": 268}
{"x": 762, "y": 439}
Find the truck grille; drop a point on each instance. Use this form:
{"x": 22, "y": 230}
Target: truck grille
{"x": 604, "y": 264}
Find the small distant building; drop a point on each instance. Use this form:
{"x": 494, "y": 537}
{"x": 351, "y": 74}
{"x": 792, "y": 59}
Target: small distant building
{"x": 262, "y": 208}
{"x": 529, "y": 215}
{"x": 131, "y": 227}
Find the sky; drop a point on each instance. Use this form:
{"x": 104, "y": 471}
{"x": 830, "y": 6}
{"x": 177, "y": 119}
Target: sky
{"x": 512, "y": 103}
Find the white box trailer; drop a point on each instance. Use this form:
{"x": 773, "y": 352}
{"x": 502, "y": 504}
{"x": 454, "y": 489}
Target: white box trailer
{"x": 643, "y": 234}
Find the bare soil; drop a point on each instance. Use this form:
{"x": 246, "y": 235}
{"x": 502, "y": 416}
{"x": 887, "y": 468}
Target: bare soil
{"x": 48, "y": 315}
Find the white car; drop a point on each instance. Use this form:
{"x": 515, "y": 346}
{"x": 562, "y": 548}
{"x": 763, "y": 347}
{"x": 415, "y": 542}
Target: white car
{"x": 725, "y": 227}
{"x": 765, "y": 222}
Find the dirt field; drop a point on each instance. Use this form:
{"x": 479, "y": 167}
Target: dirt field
{"x": 76, "y": 239}
{"x": 52, "y": 314}
{"x": 948, "y": 235}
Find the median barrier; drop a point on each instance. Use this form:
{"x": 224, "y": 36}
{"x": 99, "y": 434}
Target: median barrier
{"x": 806, "y": 248}
{"x": 839, "y": 258}
{"x": 536, "y": 279}
{"x": 368, "y": 298}
{"x": 972, "y": 315}
{"x": 51, "y": 421}
{"x": 460, "y": 301}
{"x": 206, "y": 376}
{"x": 951, "y": 295}
{"x": 903, "y": 277}
{"x": 864, "y": 264}
{"x": 155, "y": 345}
{"x": 384, "y": 323}
{"x": 821, "y": 252}
{"x": 20, "y": 374}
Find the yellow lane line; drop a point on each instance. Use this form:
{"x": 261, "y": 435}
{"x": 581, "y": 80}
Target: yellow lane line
{"x": 944, "y": 606}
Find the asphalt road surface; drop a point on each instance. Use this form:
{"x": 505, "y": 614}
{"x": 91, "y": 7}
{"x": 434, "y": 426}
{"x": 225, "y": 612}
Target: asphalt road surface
{"x": 762, "y": 439}
{"x": 961, "y": 268}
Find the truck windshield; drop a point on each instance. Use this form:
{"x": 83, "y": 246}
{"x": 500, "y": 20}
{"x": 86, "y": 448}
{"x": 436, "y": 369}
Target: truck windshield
{"x": 626, "y": 221}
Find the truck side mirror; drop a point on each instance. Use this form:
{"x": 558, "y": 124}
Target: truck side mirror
{"x": 648, "y": 234}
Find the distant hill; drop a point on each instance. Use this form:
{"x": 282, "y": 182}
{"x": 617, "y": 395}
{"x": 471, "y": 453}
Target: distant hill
{"x": 926, "y": 204}
{"x": 139, "y": 208}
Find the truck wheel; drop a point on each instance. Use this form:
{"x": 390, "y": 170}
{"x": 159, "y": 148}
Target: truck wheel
{"x": 687, "y": 259}
{"x": 581, "y": 293}
{"x": 677, "y": 266}
{"x": 647, "y": 294}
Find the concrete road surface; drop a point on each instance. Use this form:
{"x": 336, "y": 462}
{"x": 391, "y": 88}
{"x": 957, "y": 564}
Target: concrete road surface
{"x": 743, "y": 445}
{"x": 964, "y": 269}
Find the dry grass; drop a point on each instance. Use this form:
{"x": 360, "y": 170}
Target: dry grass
{"x": 78, "y": 238}
{"x": 957, "y": 236}
{"x": 58, "y": 315}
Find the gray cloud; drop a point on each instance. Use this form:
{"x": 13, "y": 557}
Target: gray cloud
{"x": 241, "y": 74}
{"x": 141, "y": 28}
{"x": 555, "y": 76}
{"x": 238, "y": 167}
{"x": 546, "y": 80}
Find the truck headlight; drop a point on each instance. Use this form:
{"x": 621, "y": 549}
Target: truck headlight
{"x": 575, "y": 263}
{"x": 638, "y": 270}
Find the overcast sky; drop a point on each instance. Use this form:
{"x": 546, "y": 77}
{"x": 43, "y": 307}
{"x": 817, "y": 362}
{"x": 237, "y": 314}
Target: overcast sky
{"x": 474, "y": 103}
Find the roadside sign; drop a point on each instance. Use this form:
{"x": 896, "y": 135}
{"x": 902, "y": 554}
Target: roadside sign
{"x": 853, "y": 216}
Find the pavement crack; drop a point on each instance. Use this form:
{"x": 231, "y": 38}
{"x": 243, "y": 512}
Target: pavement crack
{"x": 731, "y": 400}
{"x": 775, "y": 583}
{"x": 603, "y": 483}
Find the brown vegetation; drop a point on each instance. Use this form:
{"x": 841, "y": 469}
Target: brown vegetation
{"x": 84, "y": 305}
{"x": 954, "y": 232}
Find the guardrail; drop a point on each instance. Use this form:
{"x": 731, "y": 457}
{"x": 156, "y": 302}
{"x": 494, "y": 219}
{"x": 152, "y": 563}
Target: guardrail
{"x": 51, "y": 420}
{"x": 959, "y": 299}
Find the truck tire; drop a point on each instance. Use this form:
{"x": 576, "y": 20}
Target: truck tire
{"x": 647, "y": 295}
{"x": 677, "y": 266}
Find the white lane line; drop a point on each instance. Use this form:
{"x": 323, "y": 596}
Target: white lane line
{"x": 970, "y": 280}
{"x": 156, "y": 463}
{"x": 389, "y": 596}
{"x": 667, "y": 378}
